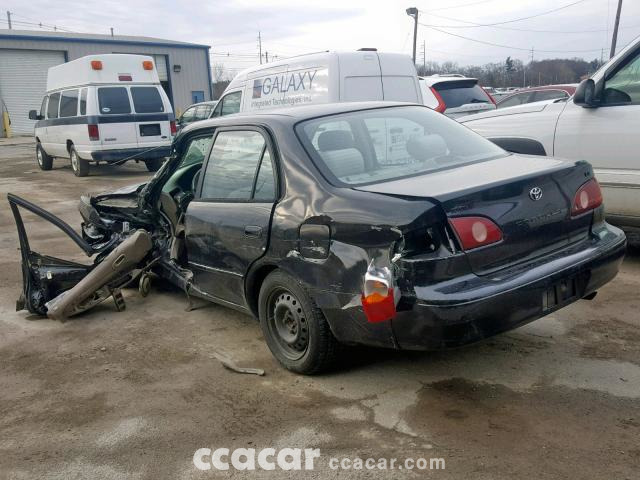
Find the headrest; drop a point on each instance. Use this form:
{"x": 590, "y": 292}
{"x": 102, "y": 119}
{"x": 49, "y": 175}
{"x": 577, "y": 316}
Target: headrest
{"x": 335, "y": 140}
{"x": 426, "y": 147}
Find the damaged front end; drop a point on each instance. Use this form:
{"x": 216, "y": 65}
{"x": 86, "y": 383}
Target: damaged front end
{"x": 60, "y": 288}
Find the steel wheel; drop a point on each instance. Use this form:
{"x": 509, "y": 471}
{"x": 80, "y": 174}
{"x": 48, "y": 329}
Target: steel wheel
{"x": 288, "y": 324}
{"x": 74, "y": 161}
{"x": 39, "y": 157}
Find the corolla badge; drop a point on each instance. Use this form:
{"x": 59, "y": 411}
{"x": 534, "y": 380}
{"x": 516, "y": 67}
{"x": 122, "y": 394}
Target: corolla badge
{"x": 535, "y": 193}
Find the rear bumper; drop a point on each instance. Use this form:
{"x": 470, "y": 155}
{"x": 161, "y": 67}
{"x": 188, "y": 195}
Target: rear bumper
{"x": 471, "y": 308}
{"x": 144, "y": 153}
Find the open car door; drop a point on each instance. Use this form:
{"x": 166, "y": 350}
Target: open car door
{"x": 60, "y": 288}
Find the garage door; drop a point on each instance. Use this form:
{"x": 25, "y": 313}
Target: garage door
{"x": 23, "y": 83}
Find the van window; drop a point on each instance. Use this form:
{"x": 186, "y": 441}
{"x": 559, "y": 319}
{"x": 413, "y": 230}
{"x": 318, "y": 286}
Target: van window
{"x": 147, "y": 100}
{"x": 43, "y": 107}
{"x": 83, "y": 101}
{"x": 52, "y": 109}
{"x": 69, "y": 103}
{"x": 113, "y": 100}
{"x": 229, "y": 104}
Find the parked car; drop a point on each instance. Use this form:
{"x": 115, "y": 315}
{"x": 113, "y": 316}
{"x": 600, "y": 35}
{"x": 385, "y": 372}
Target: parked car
{"x": 598, "y": 125}
{"x": 104, "y": 108}
{"x": 455, "y": 95}
{"x": 195, "y": 113}
{"x": 325, "y": 77}
{"x": 537, "y": 94}
{"x": 383, "y": 224}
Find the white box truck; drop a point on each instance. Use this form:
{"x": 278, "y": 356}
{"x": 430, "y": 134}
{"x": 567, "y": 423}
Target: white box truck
{"x": 104, "y": 108}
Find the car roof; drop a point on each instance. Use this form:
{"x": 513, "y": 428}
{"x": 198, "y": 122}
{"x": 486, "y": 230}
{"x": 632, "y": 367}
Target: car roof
{"x": 431, "y": 80}
{"x": 208, "y": 102}
{"x": 293, "y": 115}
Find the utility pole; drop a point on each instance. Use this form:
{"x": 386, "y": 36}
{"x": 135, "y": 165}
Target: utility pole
{"x": 413, "y": 12}
{"x": 614, "y": 38}
{"x": 112, "y": 31}
{"x": 9, "y": 19}
{"x": 424, "y": 57}
{"x": 266, "y": 57}
{"x": 260, "y": 46}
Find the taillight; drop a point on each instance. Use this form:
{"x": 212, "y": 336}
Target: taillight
{"x": 441, "y": 105}
{"x": 587, "y": 198}
{"x": 474, "y": 232}
{"x": 172, "y": 124}
{"x": 94, "y": 133}
{"x": 378, "y": 299}
{"x": 490, "y": 97}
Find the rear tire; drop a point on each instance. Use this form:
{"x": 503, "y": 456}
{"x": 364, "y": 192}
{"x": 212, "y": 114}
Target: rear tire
{"x": 79, "y": 166}
{"x": 295, "y": 329}
{"x": 45, "y": 162}
{"x": 154, "y": 164}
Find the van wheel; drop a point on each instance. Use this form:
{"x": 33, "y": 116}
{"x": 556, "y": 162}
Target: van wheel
{"x": 154, "y": 164}
{"x": 45, "y": 162}
{"x": 295, "y": 329}
{"x": 79, "y": 166}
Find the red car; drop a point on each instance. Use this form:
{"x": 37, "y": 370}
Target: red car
{"x": 537, "y": 94}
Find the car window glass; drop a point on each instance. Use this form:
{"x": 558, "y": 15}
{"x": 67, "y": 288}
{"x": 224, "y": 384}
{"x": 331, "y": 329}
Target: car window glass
{"x": 390, "y": 136}
{"x": 69, "y": 103}
{"x": 231, "y": 103}
{"x": 113, "y": 100}
{"x": 43, "y": 107}
{"x": 265, "y": 190}
{"x": 514, "y": 100}
{"x": 147, "y": 100}
{"x": 188, "y": 115}
{"x": 463, "y": 92}
{"x": 52, "y": 108}
{"x": 624, "y": 85}
{"x": 328, "y": 126}
{"x": 232, "y": 165}
{"x": 548, "y": 95}
{"x": 409, "y": 141}
{"x": 194, "y": 154}
{"x": 208, "y": 110}
{"x": 83, "y": 101}
{"x": 201, "y": 112}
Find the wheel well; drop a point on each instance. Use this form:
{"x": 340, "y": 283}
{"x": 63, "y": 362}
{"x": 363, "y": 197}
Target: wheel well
{"x": 253, "y": 284}
{"x": 69, "y": 145}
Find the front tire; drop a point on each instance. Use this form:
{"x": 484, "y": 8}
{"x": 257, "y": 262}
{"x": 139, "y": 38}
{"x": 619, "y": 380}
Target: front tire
{"x": 295, "y": 329}
{"x": 45, "y": 162}
{"x": 80, "y": 167}
{"x": 154, "y": 164}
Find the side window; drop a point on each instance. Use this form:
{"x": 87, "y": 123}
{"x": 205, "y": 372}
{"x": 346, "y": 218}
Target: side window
{"x": 265, "y": 190}
{"x": 208, "y": 110}
{"x": 200, "y": 112}
{"x": 231, "y": 169}
{"x": 113, "y": 100}
{"x": 548, "y": 95}
{"x": 193, "y": 156}
{"x": 196, "y": 151}
{"x": 515, "y": 100}
{"x": 69, "y": 103}
{"x": 52, "y": 108}
{"x": 624, "y": 85}
{"x": 43, "y": 107}
{"x": 83, "y": 101}
{"x": 229, "y": 104}
{"x": 187, "y": 116}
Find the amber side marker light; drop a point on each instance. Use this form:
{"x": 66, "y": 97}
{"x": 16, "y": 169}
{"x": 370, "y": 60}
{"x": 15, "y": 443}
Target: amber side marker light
{"x": 96, "y": 64}
{"x": 147, "y": 65}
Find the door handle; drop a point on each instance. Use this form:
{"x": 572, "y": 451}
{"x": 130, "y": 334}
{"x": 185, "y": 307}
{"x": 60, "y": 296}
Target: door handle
{"x": 253, "y": 231}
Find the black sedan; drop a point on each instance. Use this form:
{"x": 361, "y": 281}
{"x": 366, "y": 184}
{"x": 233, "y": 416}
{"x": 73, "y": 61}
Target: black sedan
{"x": 376, "y": 223}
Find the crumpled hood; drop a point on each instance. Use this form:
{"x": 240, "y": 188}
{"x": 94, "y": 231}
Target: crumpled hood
{"x": 120, "y": 192}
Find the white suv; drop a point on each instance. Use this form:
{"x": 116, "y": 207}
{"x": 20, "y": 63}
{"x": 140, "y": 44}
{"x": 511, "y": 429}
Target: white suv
{"x": 455, "y": 95}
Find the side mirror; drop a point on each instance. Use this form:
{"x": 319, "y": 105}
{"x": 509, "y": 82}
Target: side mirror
{"x": 33, "y": 115}
{"x": 585, "y": 95}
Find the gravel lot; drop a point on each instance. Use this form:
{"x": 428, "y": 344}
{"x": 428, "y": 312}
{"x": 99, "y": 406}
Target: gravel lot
{"x": 134, "y": 394}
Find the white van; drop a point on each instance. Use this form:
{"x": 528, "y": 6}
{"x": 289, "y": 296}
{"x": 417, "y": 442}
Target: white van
{"x": 104, "y": 108}
{"x": 325, "y": 77}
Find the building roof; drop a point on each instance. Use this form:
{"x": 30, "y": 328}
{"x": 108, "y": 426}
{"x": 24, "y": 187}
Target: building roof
{"x": 93, "y": 37}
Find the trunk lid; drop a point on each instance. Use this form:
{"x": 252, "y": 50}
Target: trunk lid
{"x": 499, "y": 189}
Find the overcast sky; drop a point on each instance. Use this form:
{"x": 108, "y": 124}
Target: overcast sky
{"x": 293, "y": 27}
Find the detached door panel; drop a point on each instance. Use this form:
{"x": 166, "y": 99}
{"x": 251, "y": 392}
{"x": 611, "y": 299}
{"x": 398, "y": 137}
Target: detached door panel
{"x": 227, "y": 225}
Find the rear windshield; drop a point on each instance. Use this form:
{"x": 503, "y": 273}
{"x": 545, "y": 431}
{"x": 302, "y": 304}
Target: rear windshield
{"x": 456, "y": 94}
{"x": 113, "y": 100}
{"x": 147, "y": 100}
{"x": 382, "y": 144}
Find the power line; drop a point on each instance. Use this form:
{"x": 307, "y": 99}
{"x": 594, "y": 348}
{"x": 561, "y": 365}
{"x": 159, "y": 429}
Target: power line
{"x": 508, "y": 46}
{"x": 459, "y": 6}
{"x": 475, "y": 25}
{"x": 515, "y": 19}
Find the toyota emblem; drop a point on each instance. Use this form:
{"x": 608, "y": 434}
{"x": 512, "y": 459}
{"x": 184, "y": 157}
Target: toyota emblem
{"x": 535, "y": 193}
